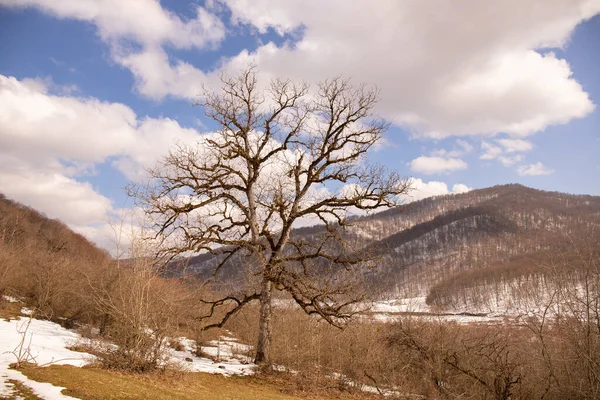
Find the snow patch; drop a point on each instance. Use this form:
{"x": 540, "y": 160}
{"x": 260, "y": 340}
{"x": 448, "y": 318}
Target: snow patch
{"x": 411, "y": 304}
{"x": 228, "y": 357}
{"x": 46, "y": 342}
{"x": 11, "y": 299}
{"x": 416, "y": 307}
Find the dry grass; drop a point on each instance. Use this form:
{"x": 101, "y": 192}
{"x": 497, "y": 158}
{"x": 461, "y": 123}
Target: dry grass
{"x": 9, "y": 310}
{"x": 315, "y": 386}
{"x": 94, "y": 383}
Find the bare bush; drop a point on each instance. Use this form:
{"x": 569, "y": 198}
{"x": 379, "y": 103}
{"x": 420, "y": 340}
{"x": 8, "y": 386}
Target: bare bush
{"x": 567, "y": 328}
{"x": 140, "y": 309}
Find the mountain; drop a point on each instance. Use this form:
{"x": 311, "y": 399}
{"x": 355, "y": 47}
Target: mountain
{"x": 456, "y": 251}
{"x": 440, "y": 246}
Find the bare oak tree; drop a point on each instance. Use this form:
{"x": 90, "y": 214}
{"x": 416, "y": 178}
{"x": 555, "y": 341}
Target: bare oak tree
{"x": 281, "y": 157}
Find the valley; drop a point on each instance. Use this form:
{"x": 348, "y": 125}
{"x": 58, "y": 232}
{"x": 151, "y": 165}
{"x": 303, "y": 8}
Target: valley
{"x": 498, "y": 282}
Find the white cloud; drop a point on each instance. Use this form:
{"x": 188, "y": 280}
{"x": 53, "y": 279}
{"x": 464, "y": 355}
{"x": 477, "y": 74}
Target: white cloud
{"x": 444, "y": 153}
{"x": 40, "y": 126}
{"x": 514, "y": 145}
{"x": 121, "y": 233}
{"x": 148, "y": 25}
{"x": 460, "y": 188}
{"x": 154, "y": 137}
{"x": 50, "y": 141}
{"x": 43, "y": 128}
{"x": 505, "y": 154}
{"x": 466, "y": 146}
{"x": 507, "y": 161}
{"x": 534, "y": 169}
{"x": 422, "y": 190}
{"x": 436, "y": 165}
{"x": 491, "y": 81}
{"x": 52, "y": 192}
{"x": 155, "y": 77}
{"x": 461, "y": 148}
{"x": 144, "y": 21}
{"x": 465, "y": 68}
{"x": 490, "y": 151}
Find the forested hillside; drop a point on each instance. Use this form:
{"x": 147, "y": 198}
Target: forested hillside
{"x": 514, "y": 229}
{"x": 43, "y": 260}
{"x": 459, "y": 249}
{"x": 477, "y": 251}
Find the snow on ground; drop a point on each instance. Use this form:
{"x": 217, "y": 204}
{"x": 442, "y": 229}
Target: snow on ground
{"x": 505, "y": 304}
{"x": 458, "y": 318}
{"x": 373, "y": 389}
{"x": 46, "y": 342}
{"x": 392, "y": 309}
{"x": 416, "y": 307}
{"x": 230, "y": 357}
{"x": 519, "y": 300}
{"x": 10, "y": 299}
{"x": 411, "y": 304}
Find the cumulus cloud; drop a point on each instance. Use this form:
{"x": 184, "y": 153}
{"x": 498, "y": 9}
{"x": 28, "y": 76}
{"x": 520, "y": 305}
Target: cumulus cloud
{"x": 491, "y": 79}
{"x": 156, "y": 77}
{"x": 144, "y": 21}
{"x": 534, "y": 170}
{"x": 490, "y": 151}
{"x": 151, "y": 27}
{"x": 52, "y": 192}
{"x": 460, "y": 188}
{"x": 514, "y": 145}
{"x": 43, "y": 128}
{"x": 461, "y": 148}
{"x": 507, "y": 161}
{"x": 154, "y": 137}
{"x": 50, "y": 142}
{"x": 40, "y": 126}
{"x": 436, "y": 165}
{"x": 466, "y": 146}
{"x": 422, "y": 189}
{"x": 495, "y": 75}
{"x": 419, "y": 190}
{"x": 505, "y": 152}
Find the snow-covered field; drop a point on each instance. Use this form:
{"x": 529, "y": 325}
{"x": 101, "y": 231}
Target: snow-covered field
{"x": 504, "y": 306}
{"x": 390, "y": 310}
{"x": 413, "y": 304}
{"x": 45, "y": 343}
{"x": 393, "y": 309}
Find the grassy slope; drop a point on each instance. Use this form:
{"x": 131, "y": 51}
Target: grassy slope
{"x": 94, "y": 383}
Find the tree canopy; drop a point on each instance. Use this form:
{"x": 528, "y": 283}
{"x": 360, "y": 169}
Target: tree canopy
{"x": 282, "y": 157}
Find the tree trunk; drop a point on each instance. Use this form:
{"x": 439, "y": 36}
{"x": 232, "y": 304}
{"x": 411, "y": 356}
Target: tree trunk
{"x": 263, "y": 346}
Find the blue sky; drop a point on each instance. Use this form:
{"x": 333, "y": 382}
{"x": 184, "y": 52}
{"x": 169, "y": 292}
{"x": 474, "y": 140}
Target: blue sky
{"x": 478, "y": 93}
